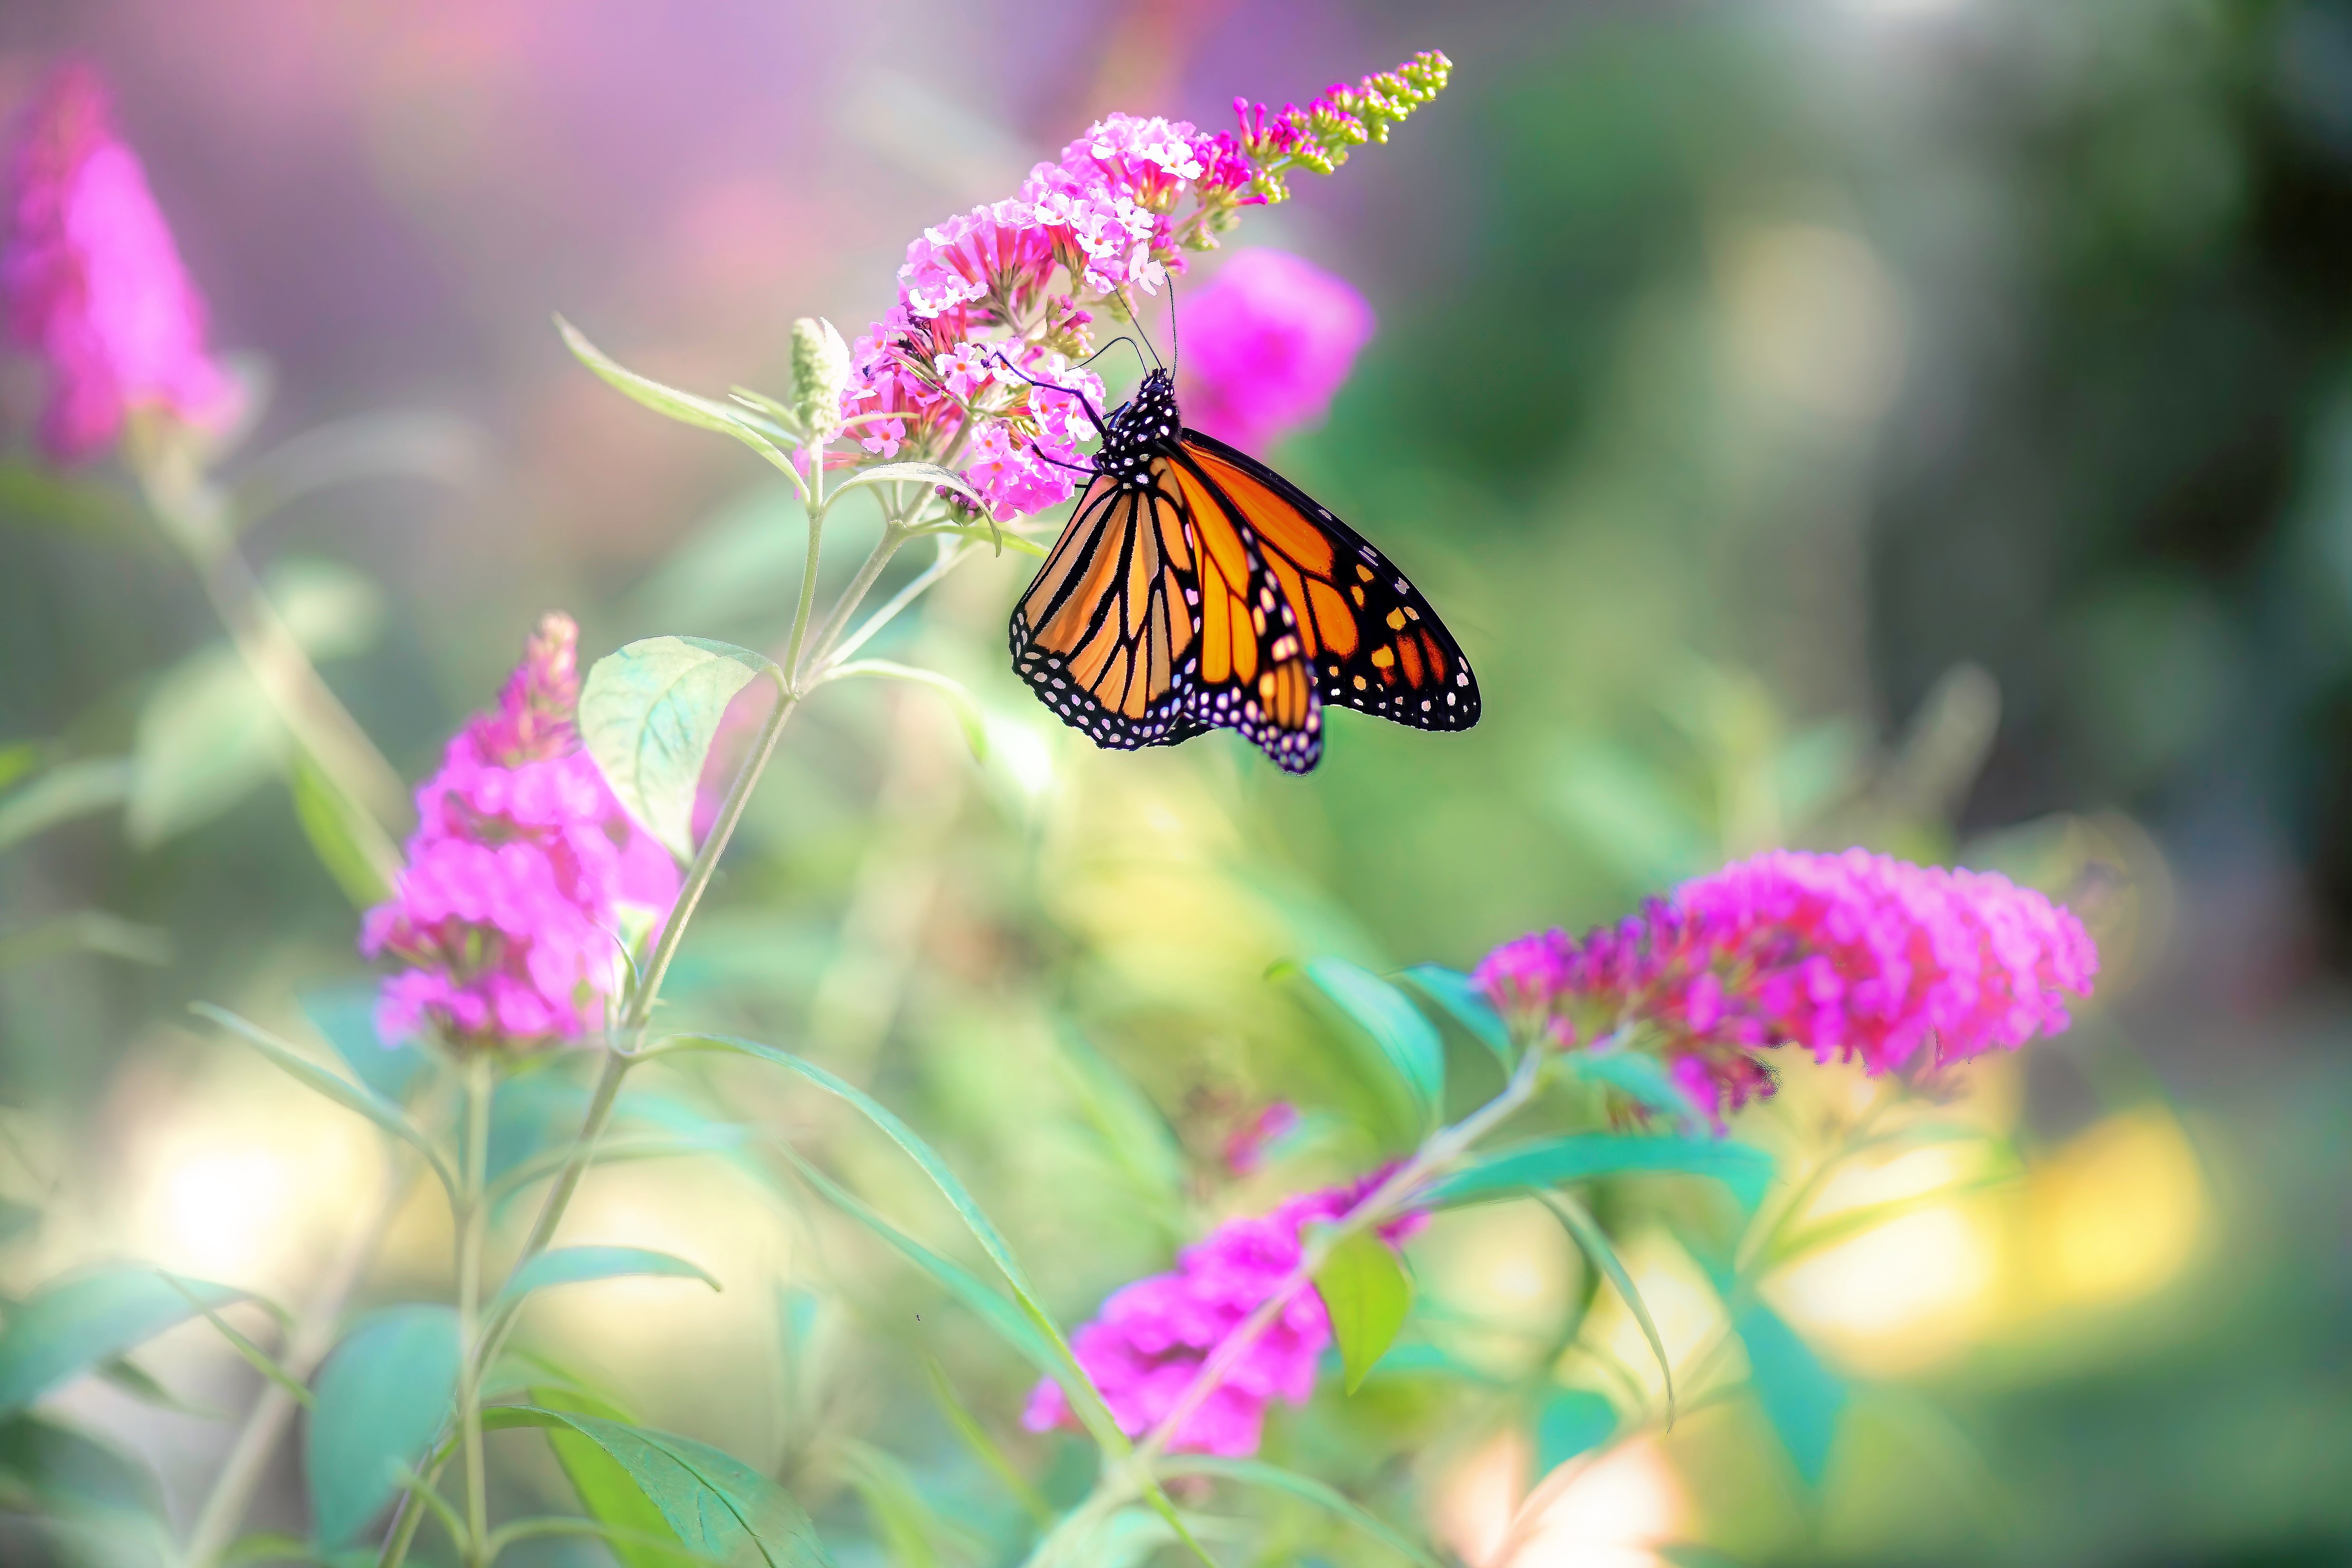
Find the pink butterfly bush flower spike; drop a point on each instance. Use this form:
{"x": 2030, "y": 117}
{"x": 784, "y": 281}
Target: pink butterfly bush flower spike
{"x": 510, "y": 913}
{"x": 1152, "y": 1337}
{"x": 976, "y": 364}
{"x": 1268, "y": 344}
{"x": 1856, "y": 956}
{"x": 93, "y": 280}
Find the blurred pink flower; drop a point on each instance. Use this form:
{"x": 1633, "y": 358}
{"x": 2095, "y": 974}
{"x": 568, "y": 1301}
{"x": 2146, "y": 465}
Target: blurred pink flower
{"x": 1245, "y": 1150}
{"x": 1854, "y": 955}
{"x": 1266, "y": 345}
{"x": 94, "y": 281}
{"x": 1151, "y": 1338}
{"x": 508, "y": 913}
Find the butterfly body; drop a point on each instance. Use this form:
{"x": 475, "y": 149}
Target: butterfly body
{"x": 1197, "y": 589}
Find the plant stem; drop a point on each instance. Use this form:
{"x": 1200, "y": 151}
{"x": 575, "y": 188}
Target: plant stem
{"x": 1435, "y": 1155}
{"x": 894, "y": 534}
{"x": 817, "y": 503}
{"x": 192, "y": 512}
{"x": 481, "y": 1084}
{"x": 307, "y": 1344}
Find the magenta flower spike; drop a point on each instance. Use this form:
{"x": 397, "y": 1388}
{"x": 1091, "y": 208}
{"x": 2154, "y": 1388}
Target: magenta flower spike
{"x": 1855, "y": 956}
{"x": 1152, "y": 1337}
{"x": 1267, "y": 345}
{"x": 94, "y": 281}
{"x": 509, "y": 913}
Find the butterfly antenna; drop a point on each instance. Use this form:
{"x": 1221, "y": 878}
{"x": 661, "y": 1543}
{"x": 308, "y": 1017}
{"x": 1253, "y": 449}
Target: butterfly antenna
{"x": 1092, "y": 412}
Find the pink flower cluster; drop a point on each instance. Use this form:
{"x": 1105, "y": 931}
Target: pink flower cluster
{"x": 93, "y": 282}
{"x": 508, "y": 913}
{"x": 1153, "y": 1336}
{"x": 974, "y": 365}
{"x": 1854, "y": 955}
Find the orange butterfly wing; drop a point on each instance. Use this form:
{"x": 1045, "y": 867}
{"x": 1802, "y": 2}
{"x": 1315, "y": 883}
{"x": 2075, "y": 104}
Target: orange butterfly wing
{"x": 1105, "y": 632}
{"x": 1372, "y": 641}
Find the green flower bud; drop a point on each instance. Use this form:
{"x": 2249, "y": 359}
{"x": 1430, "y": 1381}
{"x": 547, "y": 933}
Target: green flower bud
{"x": 820, "y": 375}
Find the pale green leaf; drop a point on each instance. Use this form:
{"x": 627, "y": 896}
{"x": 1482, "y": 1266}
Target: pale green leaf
{"x": 1644, "y": 1078}
{"x": 1367, "y": 1294}
{"x": 1466, "y": 1005}
{"x": 74, "y": 1325}
{"x": 63, "y": 793}
{"x": 1573, "y": 1420}
{"x": 704, "y": 413}
{"x": 1597, "y": 1246}
{"x": 926, "y": 474}
{"x": 648, "y": 714}
{"x": 332, "y": 610}
{"x": 580, "y": 1265}
{"x": 714, "y": 1503}
{"x": 1582, "y": 1156}
{"x": 1407, "y": 1041}
{"x": 342, "y": 1091}
{"x": 206, "y": 737}
{"x": 1802, "y": 1397}
{"x": 381, "y": 1397}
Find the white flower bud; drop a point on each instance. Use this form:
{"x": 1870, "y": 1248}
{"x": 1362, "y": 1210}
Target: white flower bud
{"x": 820, "y": 375}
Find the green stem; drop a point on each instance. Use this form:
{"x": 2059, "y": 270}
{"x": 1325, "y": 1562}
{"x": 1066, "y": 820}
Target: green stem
{"x": 894, "y": 534}
{"x": 817, "y": 503}
{"x": 1436, "y": 1155}
{"x": 481, "y": 1084}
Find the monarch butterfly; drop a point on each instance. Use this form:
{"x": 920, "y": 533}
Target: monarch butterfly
{"x": 1196, "y": 589}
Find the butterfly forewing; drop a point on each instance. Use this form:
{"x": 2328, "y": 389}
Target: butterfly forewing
{"x": 1104, "y": 633}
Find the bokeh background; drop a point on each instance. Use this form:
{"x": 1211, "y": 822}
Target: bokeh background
{"x": 1919, "y": 423}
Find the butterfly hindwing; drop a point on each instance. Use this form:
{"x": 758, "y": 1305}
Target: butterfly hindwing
{"x": 1374, "y": 643}
{"x": 1104, "y": 633}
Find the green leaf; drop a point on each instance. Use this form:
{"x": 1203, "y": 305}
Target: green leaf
{"x": 605, "y": 1490}
{"x": 260, "y": 1360}
{"x": 1256, "y": 1472}
{"x": 1466, "y": 1005}
{"x": 342, "y": 1091}
{"x": 711, "y": 1501}
{"x": 345, "y": 1016}
{"x": 579, "y": 1265}
{"x": 332, "y": 610}
{"x": 74, "y": 1325}
{"x": 1802, "y": 1397}
{"x": 1408, "y": 1042}
{"x": 72, "y": 1475}
{"x": 86, "y": 931}
{"x": 1596, "y": 1245}
{"x": 265, "y": 1549}
{"x": 926, "y": 474}
{"x": 1746, "y": 1170}
{"x": 341, "y": 835}
{"x": 1084, "y": 1399}
{"x": 65, "y": 792}
{"x": 967, "y": 708}
{"x": 686, "y": 407}
{"x": 1367, "y": 1293}
{"x": 1646, "y": 1079}
{"x": 648, "y": 714}
{"x": 206, "y": 737}
{"x": 1572, "y": 1421}
{"x": 988, "y": 1305}
{"x": 383, "y": 1397}
{"x": 984, "y": 1447}
{"x": 904, "y": 1523}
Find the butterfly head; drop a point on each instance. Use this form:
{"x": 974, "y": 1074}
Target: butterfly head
{"x": 1145, "y": 421}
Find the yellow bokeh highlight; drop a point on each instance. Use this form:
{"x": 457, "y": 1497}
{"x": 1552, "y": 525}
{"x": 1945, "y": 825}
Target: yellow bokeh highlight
{"x": 1609, "y": 1510}
{"x": 2117, "y": 1214}
{"x": 1898, "y": 1297}
{"x": 1689, "y": 1316}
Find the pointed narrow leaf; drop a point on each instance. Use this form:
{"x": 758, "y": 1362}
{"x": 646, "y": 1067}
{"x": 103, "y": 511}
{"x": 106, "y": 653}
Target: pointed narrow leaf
{"x": 381, "y": 1399}
{"x": 578, "y": 1265}
{"x": 1596, "y": 1245}
{"x": 1465, "y": 1004}
{"x": 915, "y": 473}
{"x": 1367, "y": 1293}
{"x": 713, "y": 1502}
{"x": 75, "y": 1325}
{"x": 345, "y": 1015}
{"x": 1258, "y": 1473}
{"x": 648, "y": 714}
{"x": 704, "y": 413}
{"x": 1746, "y": 1170}
{"x": 1572, "y": 1422}
{"x": 1407, "y": 1040}
{"x": 75, "y": 1476}
{"x": 342, "y": 1091}
{"x": 604, "y": 1487}
{"x": 1644, "y": 1079}
{"x": 260, "y": 1360}
{"x": 65, "y": 792}
{"x": 1802, "y": 1397}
